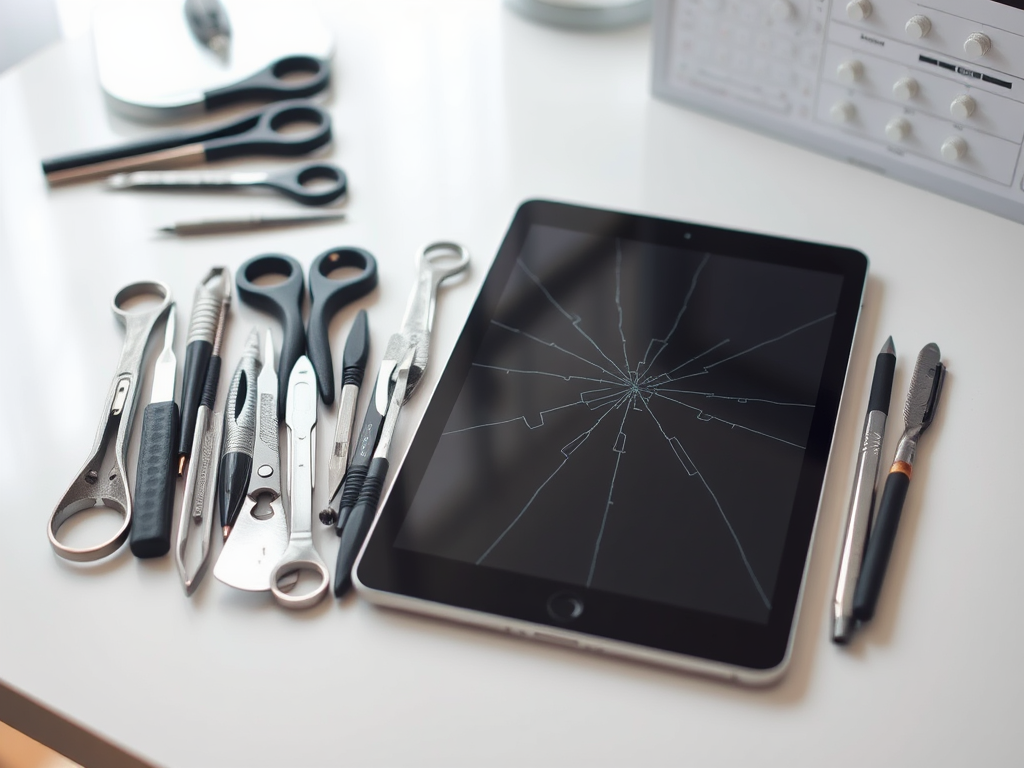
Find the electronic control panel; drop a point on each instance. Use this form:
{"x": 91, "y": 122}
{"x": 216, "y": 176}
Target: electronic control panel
{"x": 932, "y": 94}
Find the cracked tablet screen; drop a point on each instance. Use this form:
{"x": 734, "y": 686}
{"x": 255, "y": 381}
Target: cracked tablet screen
{"x": 634, "y": 421}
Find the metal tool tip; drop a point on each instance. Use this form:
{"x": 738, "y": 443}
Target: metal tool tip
{"x": 888, "y": 348}
{"x": 842, "y": 630}
{"x": 226, "y": 531}
{"x": 181, "y": 465}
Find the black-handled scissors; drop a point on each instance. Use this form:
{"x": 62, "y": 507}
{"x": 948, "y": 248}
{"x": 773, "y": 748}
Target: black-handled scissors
{"x": 275, "y": 82}
{"x": 283, "y": 300}
{"x": 256, "y": 133}
{"x": 309, "y": 184}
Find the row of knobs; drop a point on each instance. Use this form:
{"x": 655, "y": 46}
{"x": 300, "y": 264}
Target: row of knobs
{"x": 906, "y": 88}
{"x": 897, "y": 129}
{"x": 976, "y": 45}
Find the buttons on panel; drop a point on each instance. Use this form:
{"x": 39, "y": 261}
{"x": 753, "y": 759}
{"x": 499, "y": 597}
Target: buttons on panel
{"x": 850, "y": 71}
{"x": 905, "y": 88}
{"x": 977, "y": 45}
{"x": 962, "y": 107}
{"x": 842, "y": 112}
{"x": 858, "y": 10}
{"x": 897, "y": 129}
{"x": 918, "y": 27}
{"x": 954, "y": 148}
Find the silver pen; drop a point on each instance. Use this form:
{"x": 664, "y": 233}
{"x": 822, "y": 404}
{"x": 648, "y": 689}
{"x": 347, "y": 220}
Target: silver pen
{"x": 858, "y": 518}
{"x": 245, "y": 223}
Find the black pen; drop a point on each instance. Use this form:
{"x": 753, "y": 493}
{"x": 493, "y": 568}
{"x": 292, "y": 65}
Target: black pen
{"x": 922, "y": 400}
{"x": 212, "y": 296}
{"x": 858, "y": 519}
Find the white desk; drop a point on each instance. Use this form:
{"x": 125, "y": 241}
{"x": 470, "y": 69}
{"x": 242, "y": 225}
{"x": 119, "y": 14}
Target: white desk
{"x": 448, "y": 114}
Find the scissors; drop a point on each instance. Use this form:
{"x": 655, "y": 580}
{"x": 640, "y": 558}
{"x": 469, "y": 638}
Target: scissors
{"x": 96, "y": 485}
{"x": 405, "y": 357}
{"x": 298, "y": 183}
{"x": 274, "y": 82}
{"x": 255, "y": 133}
{"x": 284, "y": 301}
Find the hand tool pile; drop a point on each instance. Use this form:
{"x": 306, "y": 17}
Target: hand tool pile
{"x": 230, "y": 457}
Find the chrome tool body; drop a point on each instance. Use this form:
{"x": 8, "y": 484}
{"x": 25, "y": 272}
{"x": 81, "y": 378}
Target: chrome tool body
{"x": 436, "y": 263}
{"x": 300, "y": 555}
{"x": 865, "y": 481}
{"x": 260, "y": 533}
{"x": 918, "y": 413}
{"x": 155, "y": 475}
{"x": 212, "y": 297}
{"x": 246, "y": 223}
{"x": 101, "y": 484}
{"x": 201, "y": 480}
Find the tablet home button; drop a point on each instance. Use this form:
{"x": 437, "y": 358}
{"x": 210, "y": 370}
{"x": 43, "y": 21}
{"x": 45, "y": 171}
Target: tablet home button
{"x": 564, "y": 606}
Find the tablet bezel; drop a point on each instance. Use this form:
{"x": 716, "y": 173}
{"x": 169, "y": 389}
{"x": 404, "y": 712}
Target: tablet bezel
{"x": 626, "y": 625}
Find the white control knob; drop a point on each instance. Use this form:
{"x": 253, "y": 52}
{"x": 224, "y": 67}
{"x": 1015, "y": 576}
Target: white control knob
{"x": 918, "y": 27}
{"x": 953, "y": 148}
{"x": 842, "y": 112}
{"x": 850, "y": 71}
{"x": 962, "y": 107}
{"x": 897, "y": 129}
{"x": 781, "y": 10}
{"x": 858, "y": 10}
{"x": 977, "y": 44}
{"x": 905, "y": 88}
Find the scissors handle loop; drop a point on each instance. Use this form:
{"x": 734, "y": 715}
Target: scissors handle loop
{"x": 282, "y": 300}
{"x": 295, "y": 183}
{"x": 261, "y": 132}
{"x": 274, "y": 82}
{"x": 329, "y": 295}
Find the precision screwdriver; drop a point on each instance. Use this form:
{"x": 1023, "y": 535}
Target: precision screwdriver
{"x": 154, "y": 478}
{"x": 212, "y": 298}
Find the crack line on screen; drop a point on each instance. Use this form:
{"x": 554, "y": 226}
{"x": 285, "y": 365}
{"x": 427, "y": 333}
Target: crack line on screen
{"x": 632, "y": 390}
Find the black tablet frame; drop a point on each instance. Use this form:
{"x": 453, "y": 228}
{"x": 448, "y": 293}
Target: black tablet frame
{"x": 475, "y": 588}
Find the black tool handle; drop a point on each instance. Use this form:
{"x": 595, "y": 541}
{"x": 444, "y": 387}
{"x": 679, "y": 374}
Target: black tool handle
{"x": 357, "y": 351}
{"x": 235, "y": 470}
{"x": 880, "y": 541}
{"x": 328, "y": 296}
{"x": 283, "y": 301}
{"x": 295, "y": 183}
{"x": 358, "y": 523}
{"x": 274, "y": 82}
{"x": 197, "y": 360}
{"x": 365, "y": 445}
{"x": 881, "y": 383}
{"x": 154, "y": 481}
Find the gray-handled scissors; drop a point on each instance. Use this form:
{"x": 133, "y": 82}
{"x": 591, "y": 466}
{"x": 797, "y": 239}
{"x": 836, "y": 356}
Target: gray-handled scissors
{"x": 256, "y": 133}
{"x": 309, "y": 184}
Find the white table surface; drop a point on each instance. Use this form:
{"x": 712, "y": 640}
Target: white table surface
{"x": 447, "y": 115}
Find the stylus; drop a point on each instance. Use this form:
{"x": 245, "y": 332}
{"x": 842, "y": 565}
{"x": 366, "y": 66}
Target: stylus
{"x": 918, "y": 413}
{"x": 858, "y": 518}
{"x": 358, "y": 522}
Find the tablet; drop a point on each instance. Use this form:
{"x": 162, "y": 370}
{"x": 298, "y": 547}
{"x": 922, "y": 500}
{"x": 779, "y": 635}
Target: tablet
{"x": 626, "y": 450}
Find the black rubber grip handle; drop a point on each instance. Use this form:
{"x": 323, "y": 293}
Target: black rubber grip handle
{"x": 881, "y": 383}
{"x": 358, "y": 524}
{"x": 197, "y": 359}
{"x": 274, "y": 83}
{"x": 357, "y": 351}
{"x": 154, "y": 481}
{"x": 880, "y": 541}
{"x": 350, "y": 490}
{"x": 212, "y": 382}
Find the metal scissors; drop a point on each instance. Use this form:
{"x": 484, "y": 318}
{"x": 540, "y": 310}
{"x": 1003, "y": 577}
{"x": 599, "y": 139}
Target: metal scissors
{"x": 284, "y": 301}
{"x": 106, "y": 486}
{"x": 255, "y": 133}
{"x": 299, "y": 183}
{"x": 259, "y": 536}
{"x": 436, "y": 263}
